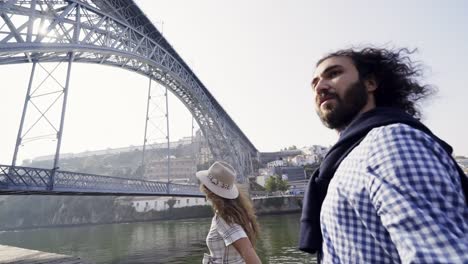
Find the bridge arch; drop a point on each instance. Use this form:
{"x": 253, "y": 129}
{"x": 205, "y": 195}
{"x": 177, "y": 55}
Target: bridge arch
{"x": 117, "y": 33}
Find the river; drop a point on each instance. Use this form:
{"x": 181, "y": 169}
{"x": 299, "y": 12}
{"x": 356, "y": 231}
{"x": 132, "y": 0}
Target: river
{"x": 179, "y": 242}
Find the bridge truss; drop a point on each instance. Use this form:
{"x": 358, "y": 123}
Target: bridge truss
{"x": 114, "y": 33}
{"x": 24, "y": 180}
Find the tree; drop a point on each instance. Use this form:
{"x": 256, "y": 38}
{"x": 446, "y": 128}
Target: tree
{"x": 271, "y": 184}
{"x": 139, "y": 172}
{"x": 171, "y": 202}
{"x": 275, "y": 183}
{"x": 282, "y": 184}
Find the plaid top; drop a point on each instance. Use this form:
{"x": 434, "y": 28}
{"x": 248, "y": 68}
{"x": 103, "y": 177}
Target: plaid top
{"x": 396, "y": 198}
{"x": 219, "y": 241}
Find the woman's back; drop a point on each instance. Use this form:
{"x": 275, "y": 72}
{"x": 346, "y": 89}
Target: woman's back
{"x": 220, "y": 241}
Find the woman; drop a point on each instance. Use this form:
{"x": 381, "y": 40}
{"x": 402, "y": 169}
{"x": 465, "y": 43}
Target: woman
{"x": 234, "y": 226}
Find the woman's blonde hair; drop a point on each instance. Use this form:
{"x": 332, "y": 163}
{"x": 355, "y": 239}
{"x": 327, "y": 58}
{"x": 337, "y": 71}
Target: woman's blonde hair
{"x": 239, "y": 211}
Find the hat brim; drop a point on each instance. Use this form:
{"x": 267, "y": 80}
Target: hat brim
{"x": 232, "y": 193}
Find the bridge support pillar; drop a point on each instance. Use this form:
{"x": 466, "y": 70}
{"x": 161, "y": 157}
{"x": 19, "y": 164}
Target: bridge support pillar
{"x": 157, "y": 130}
{"x": 23, "y": 115}
{"x": 32, "y": 103}
{"x": 62, "y": 119}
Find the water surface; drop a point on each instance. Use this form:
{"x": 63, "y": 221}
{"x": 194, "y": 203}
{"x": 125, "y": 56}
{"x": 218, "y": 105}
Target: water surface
{"x": 179, "y": 242}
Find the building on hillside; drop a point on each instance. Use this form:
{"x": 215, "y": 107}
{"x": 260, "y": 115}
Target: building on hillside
{"x": 292, "y": 173}
{"x": 301, "y": 160}
{"x": 198, "y": 141}
{"x": 463, "y": 162}
{"x": 261, "y": 180}
{"x": 205, "y": 155}
{"x": 266, "y": 157}
{"x": 264, "y": 174}
{"x": 107, "y": 151}
{"x": 319, "y": 151}
{"x": 182, "y": 170}
{"x": 277, "y": 163}
{"x": 296, "y": 177}
{"x": 146, "y": 204}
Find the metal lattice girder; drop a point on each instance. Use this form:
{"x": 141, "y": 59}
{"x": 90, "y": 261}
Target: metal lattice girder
{"x": 25, "y": 180}
{"x": 117, "y": 33}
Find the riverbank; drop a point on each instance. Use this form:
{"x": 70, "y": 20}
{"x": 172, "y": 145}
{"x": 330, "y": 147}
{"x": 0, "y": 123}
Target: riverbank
{"x": 120, "y": 214}
{"x": 194, "y": 212}
{"x": 270, "y": 205}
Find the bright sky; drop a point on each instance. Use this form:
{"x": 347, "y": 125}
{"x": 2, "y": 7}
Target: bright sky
{"x": 257, "y": 59}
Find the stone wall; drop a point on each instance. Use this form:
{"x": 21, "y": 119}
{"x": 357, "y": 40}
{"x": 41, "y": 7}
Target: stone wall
{"x": 278, "y": 205}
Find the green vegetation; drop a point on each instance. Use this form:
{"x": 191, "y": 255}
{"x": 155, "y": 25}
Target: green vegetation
{"x": 275, "y": 183}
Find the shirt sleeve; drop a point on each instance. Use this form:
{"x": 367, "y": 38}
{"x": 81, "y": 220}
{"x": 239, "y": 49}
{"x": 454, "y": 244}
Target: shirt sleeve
{"x": 229, "y": 232}
{"x": 416, "y": 191}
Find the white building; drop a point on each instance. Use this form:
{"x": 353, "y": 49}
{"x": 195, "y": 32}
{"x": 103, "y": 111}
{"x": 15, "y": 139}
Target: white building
{"x": 145, "y": 204}
{"x": 315, "y": 149}
{"x": 173, "y": 144}
{"x": 463, "y": 163}
{"x": 264, "y": 174}
{"x": 301, "y": 160}
{"x": 277, "y": 163}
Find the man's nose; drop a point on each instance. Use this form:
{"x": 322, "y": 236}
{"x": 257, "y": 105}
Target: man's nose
{"x": 322, "y": 86}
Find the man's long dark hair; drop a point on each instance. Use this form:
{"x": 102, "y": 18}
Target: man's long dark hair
{"x": 396, "y": 75}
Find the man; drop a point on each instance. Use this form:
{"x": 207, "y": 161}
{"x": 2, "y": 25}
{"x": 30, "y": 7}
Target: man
{"x": 389, "y": 190}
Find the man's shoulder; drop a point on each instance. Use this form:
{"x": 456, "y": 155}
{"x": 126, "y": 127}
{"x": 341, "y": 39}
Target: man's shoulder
{"x": 407, "y": 147}
{"x": 403, "y": 143}
{"x": 396, "y": 129}
{"x": 400, "y": 135}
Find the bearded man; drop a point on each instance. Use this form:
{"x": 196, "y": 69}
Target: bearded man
{"x": 389, "y": 190}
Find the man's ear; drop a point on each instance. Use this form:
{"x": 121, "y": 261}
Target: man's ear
{"x": 371, "y": 84}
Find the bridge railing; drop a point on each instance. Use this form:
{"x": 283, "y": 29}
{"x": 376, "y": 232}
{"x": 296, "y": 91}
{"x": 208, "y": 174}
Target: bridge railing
{"x": 28, "y": 180}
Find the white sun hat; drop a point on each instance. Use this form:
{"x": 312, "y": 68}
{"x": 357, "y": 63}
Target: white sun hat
{"x": 220, "y": 179}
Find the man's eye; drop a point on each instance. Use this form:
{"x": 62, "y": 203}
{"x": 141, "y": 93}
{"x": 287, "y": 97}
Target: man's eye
{"x": 333, "y": 74}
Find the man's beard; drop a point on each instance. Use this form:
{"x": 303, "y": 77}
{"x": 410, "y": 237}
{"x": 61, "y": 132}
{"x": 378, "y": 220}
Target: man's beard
{"x": 345, "y": 109}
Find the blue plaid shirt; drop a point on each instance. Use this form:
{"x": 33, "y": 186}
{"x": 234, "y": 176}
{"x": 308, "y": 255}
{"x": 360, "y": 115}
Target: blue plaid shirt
{"x": 396, "y": 198}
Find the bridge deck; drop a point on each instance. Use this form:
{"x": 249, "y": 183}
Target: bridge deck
{"x": 27, "y": 180}
{"x": 9, "y": 254}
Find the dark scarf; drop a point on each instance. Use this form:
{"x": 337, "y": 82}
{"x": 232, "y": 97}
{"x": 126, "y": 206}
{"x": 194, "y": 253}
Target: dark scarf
{"x": 310, "y": 233}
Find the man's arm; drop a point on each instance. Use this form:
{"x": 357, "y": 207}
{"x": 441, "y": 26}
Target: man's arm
{"x": 417, "y": 194}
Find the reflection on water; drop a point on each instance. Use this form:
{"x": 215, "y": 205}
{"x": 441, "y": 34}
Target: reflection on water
{"x": 180, "y": 242}
{"x": 278, "y": 241}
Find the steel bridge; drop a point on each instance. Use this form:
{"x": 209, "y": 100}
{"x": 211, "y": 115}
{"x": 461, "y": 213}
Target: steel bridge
{"x": 113, "y": 33}
{"x": 24, "y": 180}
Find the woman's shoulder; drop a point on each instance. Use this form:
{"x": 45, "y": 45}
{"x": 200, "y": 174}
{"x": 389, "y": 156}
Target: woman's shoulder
{"x": 223, "y": 224}
{"x": 219, "y": 220}
{"x": 230, "y": 232}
